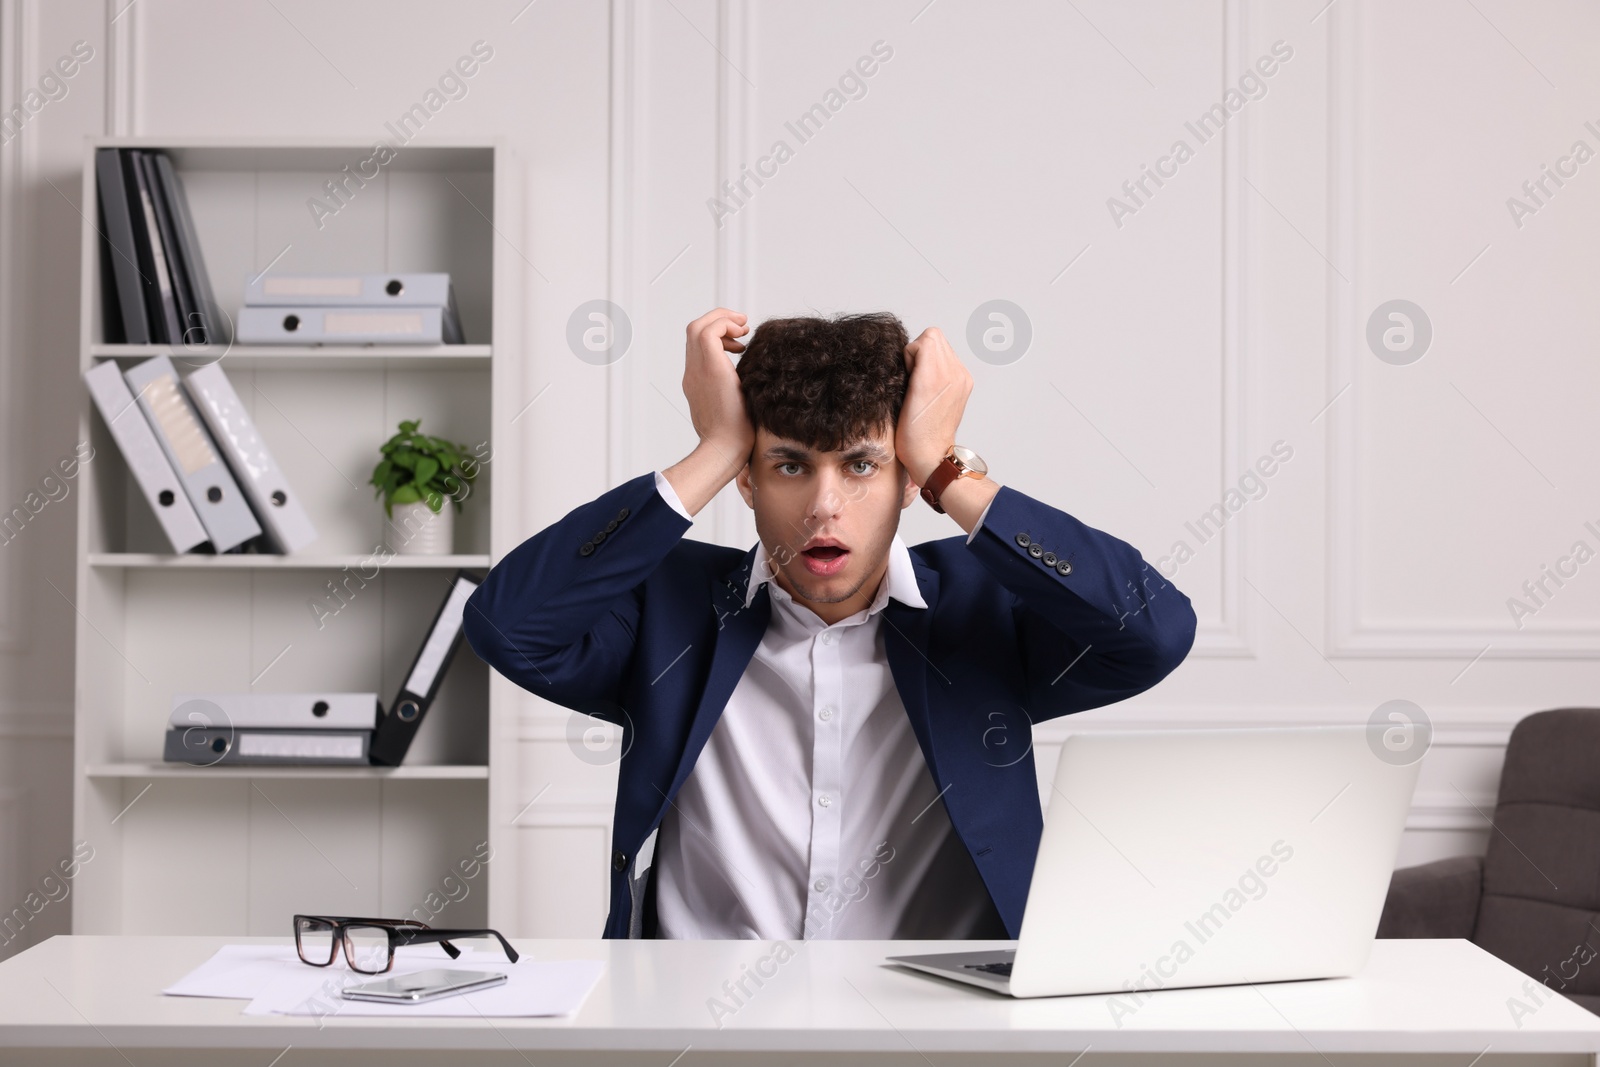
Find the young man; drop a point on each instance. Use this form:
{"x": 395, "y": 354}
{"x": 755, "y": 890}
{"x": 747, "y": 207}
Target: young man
{"x": 827, "y": 735}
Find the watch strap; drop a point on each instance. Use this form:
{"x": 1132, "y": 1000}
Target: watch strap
{"x": 946, "y": 472}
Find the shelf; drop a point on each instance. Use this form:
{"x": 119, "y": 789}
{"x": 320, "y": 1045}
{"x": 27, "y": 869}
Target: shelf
{"x": 244, "y": 561}
{"x": 310, "y": 357}
{"x": 443, "y": 153}
{"x": 181, "y": 770}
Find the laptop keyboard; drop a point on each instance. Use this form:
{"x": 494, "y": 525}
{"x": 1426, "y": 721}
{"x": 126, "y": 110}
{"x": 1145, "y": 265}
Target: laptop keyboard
{"x": 1001, "y": 969}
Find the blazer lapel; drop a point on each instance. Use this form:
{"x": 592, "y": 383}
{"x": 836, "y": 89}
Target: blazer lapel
{"x": 738, "y": 634}
{"x": 906, "y": 640}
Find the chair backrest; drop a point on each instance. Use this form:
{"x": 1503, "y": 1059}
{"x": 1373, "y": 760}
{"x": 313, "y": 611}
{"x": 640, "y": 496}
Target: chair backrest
{"x": 1541, "y": 875}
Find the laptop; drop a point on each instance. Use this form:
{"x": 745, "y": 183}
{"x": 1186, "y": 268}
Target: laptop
{"x": 1180, "y": 858}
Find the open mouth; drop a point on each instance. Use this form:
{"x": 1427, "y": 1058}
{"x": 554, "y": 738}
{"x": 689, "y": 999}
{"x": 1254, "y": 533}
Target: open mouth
{"x": 824, "y": 560}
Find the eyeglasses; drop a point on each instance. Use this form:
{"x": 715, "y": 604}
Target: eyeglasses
{"x": 369, "y": 944}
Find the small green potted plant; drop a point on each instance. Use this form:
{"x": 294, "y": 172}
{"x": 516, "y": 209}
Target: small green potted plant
{"x": 417, "y": 474}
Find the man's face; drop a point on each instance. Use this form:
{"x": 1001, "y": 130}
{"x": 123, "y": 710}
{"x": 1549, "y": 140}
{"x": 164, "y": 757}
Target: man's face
{"x": 827, "y": 518}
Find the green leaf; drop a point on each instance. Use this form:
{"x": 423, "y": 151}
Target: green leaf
{"x": 419, "y": 467}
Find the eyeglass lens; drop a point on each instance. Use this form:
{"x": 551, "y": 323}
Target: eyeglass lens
{"x": 367, "y": 948}
{"x": 315, "y": 941}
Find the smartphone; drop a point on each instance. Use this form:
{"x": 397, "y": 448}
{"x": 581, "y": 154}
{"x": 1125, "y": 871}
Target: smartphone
{"x": 423, "y": 985}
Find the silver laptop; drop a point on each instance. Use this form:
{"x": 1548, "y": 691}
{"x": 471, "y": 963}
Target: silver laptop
{"x": 1178, "y": 858}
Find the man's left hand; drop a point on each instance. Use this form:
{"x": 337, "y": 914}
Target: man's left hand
{"x": 936, "y": 396}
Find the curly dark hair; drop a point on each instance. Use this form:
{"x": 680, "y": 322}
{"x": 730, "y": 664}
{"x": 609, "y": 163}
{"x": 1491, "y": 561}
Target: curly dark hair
{"x": 825, "y": 382}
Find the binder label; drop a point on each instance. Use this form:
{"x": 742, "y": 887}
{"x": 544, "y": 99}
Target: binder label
{"x": 333, "y": 285}
{"x": 178, "y": 423}
{"x": 342, "y": 322}
{"x": 300, "y": 746}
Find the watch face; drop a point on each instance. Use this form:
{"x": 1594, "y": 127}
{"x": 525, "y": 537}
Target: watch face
{"x": 970, "y": 459}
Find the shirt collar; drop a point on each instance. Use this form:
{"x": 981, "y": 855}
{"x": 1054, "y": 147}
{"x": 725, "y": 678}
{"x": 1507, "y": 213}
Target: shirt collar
{"x": 900, "y": 582}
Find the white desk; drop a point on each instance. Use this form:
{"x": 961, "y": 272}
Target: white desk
{"x": 97, "y": 1000}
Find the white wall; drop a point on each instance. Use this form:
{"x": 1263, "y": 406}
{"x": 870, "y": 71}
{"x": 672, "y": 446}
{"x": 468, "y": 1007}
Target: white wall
{"x": 1170, "y": 349}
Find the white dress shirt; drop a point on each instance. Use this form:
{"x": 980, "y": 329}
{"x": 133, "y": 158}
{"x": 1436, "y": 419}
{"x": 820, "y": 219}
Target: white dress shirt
{"x": 811, "y": 813}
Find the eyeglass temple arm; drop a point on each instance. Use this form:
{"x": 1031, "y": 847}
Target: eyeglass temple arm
{"x": 415, "y": 937}
{"x": 406, "y": 937}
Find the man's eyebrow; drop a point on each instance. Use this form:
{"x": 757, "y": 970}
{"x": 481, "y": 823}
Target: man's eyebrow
{"x": 866, "y": 450}
{"x": 860, "y": 450}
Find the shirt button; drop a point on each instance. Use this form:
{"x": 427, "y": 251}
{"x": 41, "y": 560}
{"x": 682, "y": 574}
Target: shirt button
{"x": 827, "y": 637}
{"x": 821, "y": 885}
{"x": 824, "y": 800}
{"x": 826, "y": 713}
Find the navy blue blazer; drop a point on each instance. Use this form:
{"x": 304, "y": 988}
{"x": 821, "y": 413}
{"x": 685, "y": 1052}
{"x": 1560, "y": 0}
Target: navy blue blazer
{"x": 614, "y": 613}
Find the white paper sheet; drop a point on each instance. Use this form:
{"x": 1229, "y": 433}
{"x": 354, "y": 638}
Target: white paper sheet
{"x": 532, "y": 988}
{"x": 242, "y": 971}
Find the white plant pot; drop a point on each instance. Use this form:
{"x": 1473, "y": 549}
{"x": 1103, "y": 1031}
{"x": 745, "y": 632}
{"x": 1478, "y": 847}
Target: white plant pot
{"x": 416, "y": 530}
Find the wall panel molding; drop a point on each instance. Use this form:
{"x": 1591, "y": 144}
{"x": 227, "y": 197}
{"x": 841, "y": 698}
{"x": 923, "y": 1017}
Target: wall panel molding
{"x": 1448, "y": 808}
{"x": 124, "y": 37}
{"x": 19, "y": 24}
{"x": 625, "y": 225}
{"x": 1231, "y": 636}
{"x": 731, "y": 522}
{"x": 14, "y": 854}
{"x": 1350, "y": 633}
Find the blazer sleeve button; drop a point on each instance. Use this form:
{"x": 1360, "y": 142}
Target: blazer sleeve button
{"x": 1024, "y": 540}
{"x": 1036, "y": 550}
{"x": 622, "y": 513}
{"x": 1049, "y": 559}
{"x": 619, "y": 861}
{"x": 599, "y": 535}
{"x": 586, "y": 548}
{"x": 610, "y": 526}
{"x": 1063, "y": 568}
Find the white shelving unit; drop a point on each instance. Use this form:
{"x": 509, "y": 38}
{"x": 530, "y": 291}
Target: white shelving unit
{"x": 237, "y": 850}
{"x": 300, "y": 561}
{"x": 172, "y": 770}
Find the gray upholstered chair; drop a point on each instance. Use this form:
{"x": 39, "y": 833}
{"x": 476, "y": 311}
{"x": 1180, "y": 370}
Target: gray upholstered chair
{"x": 1534, "y": 899}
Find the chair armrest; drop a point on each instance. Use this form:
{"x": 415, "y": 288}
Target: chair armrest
{"x": 1438, "y": 899}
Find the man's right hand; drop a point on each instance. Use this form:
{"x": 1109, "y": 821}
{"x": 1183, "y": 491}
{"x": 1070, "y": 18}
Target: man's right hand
{"x": 711, "y": 384}
{"x": 716, "y": 408}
